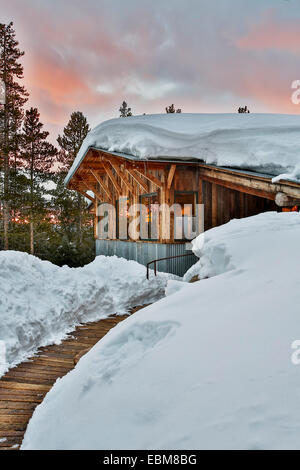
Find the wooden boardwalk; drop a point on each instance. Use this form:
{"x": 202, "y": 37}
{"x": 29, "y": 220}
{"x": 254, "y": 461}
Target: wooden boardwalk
{"x": 25, "y": 386}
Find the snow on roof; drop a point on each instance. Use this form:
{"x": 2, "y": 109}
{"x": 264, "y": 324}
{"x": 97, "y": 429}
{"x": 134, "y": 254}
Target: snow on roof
{"x": 268, "y": 143}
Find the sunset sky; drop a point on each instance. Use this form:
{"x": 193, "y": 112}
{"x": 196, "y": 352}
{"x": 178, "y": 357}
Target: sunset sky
{"x": 202, "y": 55}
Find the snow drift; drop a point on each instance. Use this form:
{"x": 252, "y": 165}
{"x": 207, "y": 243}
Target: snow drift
{"x": 41, "y": 302}
{"x": 268, "y": 143}
{"x": 207, "y": 367}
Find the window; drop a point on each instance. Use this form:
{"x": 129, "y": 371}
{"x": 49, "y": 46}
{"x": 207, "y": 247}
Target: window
{"x": 185, "y": 217}
{"x": 149, "y": 217}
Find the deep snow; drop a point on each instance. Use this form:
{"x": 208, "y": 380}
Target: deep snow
{"x": 207, "y": 367}
{"x": 41, "y": 302}
{"x": 267, "y": 143}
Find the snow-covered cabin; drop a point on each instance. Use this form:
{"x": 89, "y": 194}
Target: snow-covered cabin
{"x": 236, "y": 165}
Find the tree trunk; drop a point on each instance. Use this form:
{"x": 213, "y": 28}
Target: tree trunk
{"x": 31, "y": 200}
{"x": 5, "y": 223}
{"x": 6, "y": 161}
{"x": 31, "y": 238}
{"x": 6, "y": 199}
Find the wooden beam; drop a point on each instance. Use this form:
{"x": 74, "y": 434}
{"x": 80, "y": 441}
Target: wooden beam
{"x": 226, "y": 207}
{"x": 150, "y": 178}
{"x": 242, "y": 205}
{"x": 138, "y": 179}
{"x": 240, "y": 188}
{"x": 200, "y": 190}
{"x": 102, "y": 184}
{"x": 170, "y": 176}
{"x": 86, "y": 195}
{"x": 248, "y": 183}
{"x": 93, "y": 188}
{"x": 282, "y": 200}
{"x": 214, "y": 205}
{"x": 107, "y": 156}
{"x": 122, "y": 176}
{"x": 99, "y": 195}
{"x": 112, "y": 178}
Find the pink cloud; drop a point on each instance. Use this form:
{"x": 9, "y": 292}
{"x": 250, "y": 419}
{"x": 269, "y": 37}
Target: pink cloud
{"x": 270, "y": 33}
{"x": 90, "y": 57}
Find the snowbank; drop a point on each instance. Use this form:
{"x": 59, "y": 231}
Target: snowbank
{"x": 207, "y": 367}
{"x": 268, "y": 143}
{"x": 41, "y": 302}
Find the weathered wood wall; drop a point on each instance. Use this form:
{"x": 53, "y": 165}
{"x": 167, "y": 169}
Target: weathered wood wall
{"x": 225, "y": 194}
{"x": 162, "y": 179}
{"x": 223, "y": 204}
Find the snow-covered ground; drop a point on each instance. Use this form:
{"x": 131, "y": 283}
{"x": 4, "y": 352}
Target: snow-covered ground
{"x": 266, "y": 143}
{"x": 41, "y": 302}
{"x": 209, "y": 366}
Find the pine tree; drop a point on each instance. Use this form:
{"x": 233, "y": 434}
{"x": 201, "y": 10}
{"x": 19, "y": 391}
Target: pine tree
{"x": 243, "y": 110}
{"x": 11, "y": 112}
{"x": 38, "y": 157}
{"x": 70, "y": 142}
{"x": 171, "y": 109}
{"x": 125, "y": 111}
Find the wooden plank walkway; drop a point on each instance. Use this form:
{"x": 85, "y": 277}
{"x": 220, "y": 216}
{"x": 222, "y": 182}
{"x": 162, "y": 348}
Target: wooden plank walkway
{"x": 25, "y": 386}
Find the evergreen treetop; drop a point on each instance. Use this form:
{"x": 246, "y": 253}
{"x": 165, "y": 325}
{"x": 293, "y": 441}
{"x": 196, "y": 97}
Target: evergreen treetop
{"x": 243, "y": 110}
{"x": 125, "y": 111}
{"x": 73, "y": 135}
{"x": 37, "y": 154}
{"x": 171, "y": 109}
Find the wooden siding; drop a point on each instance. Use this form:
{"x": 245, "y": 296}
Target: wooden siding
{"x": 225, "y": 193}
{"x": 111, "y": 178}
{"x": 223, "y": 204}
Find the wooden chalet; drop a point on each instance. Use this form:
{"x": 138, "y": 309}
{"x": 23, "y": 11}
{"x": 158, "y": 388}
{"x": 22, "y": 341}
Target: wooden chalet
{"x": 225, "y": 192}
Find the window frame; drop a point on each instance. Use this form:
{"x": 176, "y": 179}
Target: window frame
{"x": 195, "y": 193}
{"x": 141, "y": 196}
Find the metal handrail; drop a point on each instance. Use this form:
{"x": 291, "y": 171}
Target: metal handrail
{"x": 155, "y": 261}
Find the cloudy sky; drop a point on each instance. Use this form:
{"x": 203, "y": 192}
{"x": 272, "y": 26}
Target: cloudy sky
{"x": 202, "y": 55}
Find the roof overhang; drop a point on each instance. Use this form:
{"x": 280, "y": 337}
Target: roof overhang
{"x": 125, "y": 156}
{"x": 247, "y": 181}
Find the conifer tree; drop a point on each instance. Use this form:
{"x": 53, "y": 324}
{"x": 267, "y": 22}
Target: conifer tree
{"x": 125, "y": 111}
{"x": 38, "y": 157}
{"x": 243, "y": 110}
{"x": 11, "y": 112}
{"x": 171, "y": 109}
{"x": 70, "y": 142}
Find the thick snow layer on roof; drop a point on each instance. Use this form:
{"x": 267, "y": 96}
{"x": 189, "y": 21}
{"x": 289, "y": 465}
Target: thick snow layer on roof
{"x": 41, "y": 302}
{"x": 214, "y": 365}
{"x": 268, "y": 143}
